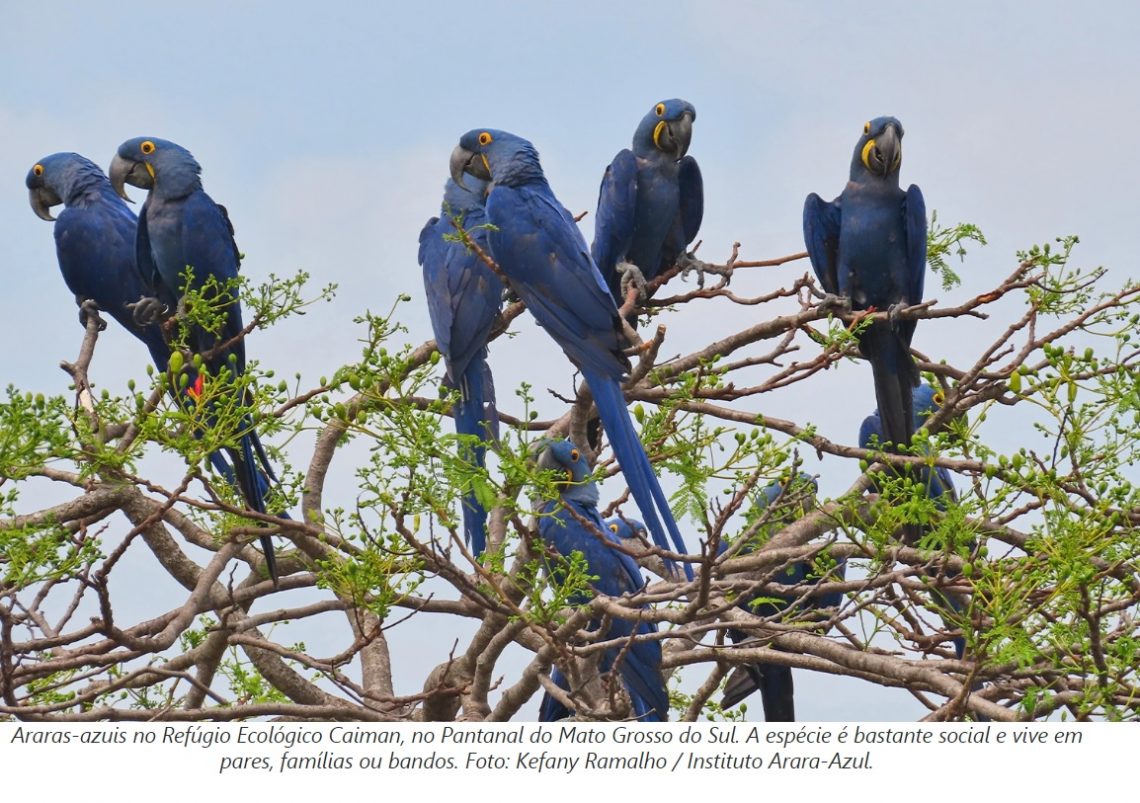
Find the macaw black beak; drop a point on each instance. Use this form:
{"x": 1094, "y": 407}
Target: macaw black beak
{"x": 464, "y": 161}
{"x": 888, "y": 150}
{"x": 42, "y": 200}
{"x": 127, "y": 171}
{"x": 674, "y": 137}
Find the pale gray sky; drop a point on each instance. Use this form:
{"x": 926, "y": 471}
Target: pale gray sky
{"x": 325, "y": 130}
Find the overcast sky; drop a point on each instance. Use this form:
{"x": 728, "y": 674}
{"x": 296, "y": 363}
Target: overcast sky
{"x": 325, "y": 129}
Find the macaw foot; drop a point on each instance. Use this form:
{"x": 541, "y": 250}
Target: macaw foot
{"x": 148, "y": 310}
{"x": 893, "y": 314}
{"x": 689, "y": 263}
{"x": 632, "y": 279}
{"x": 88, "y": 311}
{"x": 509, "y": 296}
{"x": 830, "y": 301}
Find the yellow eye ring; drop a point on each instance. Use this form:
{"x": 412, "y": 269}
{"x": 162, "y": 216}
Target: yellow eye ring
{"x": 660, "y": 109}
{"x": 485, "y": 138}
{"x": 939, "y": 397}
{"x": 38, "y": 170}
{"x": 574, "y": 455}
{"x": 614, "y": 528}
{"x": 866, "y": 128}
{"x": 147, "y": 147}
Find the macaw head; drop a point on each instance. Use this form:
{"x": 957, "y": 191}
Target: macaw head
{"x": 799, "y": 487}
{"x": 626, "y": 529}
{"x": 472, "y": 196}
{"x": 493, "y": 155}
{"x": 157, "y": 164}
{"x": 567, "y": 460}
{"x": 59, "y": 179}
{"x": 927, "y": 401}
{"x": 667, "y": 128}
{"x": 879, "y": 151}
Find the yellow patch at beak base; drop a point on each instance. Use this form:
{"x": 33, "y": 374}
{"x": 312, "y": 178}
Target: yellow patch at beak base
{"x": 149, "y": 169}
{"x": 867, "y": 153}
{"x": 657, "y": 134}
{"x": 486, "y": 164}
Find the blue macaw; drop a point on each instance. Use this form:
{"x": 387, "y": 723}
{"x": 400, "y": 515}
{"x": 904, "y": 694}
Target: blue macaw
{"x": 94, "y": 242}
{"x": 182, "y": 227}
{"x": 651, "y": 201}
{"x": 869, "y": 246}
{"x": 464, "y": 296}
{"x": 939, "y": 482}
{"x": 794, "y": 500}
{"x": 615, "y": 574}
{"x": 95, "y": 246}
{"x": 539, "y": 248}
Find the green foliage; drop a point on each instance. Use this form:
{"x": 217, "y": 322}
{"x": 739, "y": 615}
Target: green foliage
{"x": 943, "y": 242}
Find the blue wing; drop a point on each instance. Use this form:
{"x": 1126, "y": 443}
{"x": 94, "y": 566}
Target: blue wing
{"x": 821, "y": 236}
{"x": 562, "y": 289}
{"x": 615, "y": 219}
{"x": 95, "y": 246}
{"x": 914, "y": 211}
{"x": 208, "y": 247}
{"x": 692, "y": 198}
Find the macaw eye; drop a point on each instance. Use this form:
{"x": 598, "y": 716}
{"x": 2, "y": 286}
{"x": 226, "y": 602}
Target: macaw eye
{"x": 614, "y": 528}
{"x": 38, "y": 170}
{"x": 574, "y": 455}
{"x": 939, "y": 397}
{"x": 485, "y": 138}
{"x": 866, "y": 128}
{"x": 147, "y": 147}
{"x": 660, "y": 110}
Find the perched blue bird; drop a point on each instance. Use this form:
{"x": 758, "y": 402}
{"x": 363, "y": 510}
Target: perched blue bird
{"x": 464, "y": 296}
{"x": 782, "y": 503}
{"x": 651, "y": 201}
{"x": 615, "y": 574}
{"x": 939, "y": 482}
{"x": 182, "y": 227}
{"x": 95, "y": 247}
{"x": 869, "y": 246}
{"x": 94, "y": 242}
{"x": 537, "y": 245}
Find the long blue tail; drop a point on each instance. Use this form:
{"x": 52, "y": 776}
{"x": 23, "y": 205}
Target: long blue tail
{"x": 895, "y": 375}
{"x": 635, "y": 465}
{"x": 777, "y": 690}
{"x": 253, "y": 481}
{"x": 475, "y": 415}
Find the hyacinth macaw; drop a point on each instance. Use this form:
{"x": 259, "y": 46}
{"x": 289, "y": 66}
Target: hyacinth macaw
{"x": 94, "y": 242}
{"x": 464, "y": 296}
{"x": 651, "y": 201}
{"x": 869, "y": 246}
{"x": 939, "y": 482}
{"x": 181, "y": 226}
{"x": 539, "y": 248}
{"x": 783, "y": 503}
{"x": 616, "y": 574}
{"x": 95, "y": 247}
